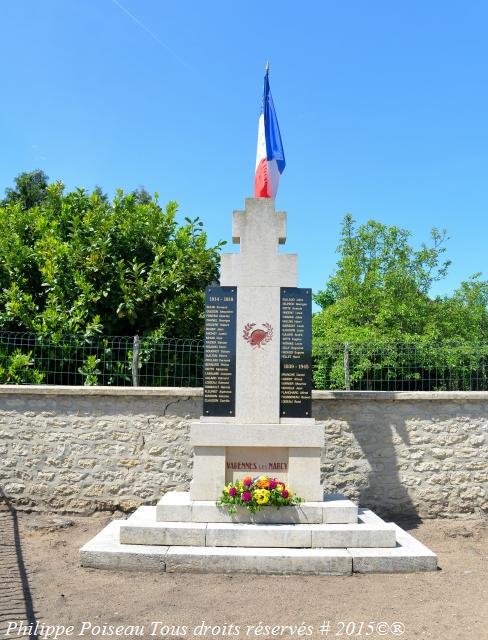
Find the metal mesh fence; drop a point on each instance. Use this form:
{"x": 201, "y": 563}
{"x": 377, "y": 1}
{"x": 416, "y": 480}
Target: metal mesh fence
{"x": 116, "y": 360}
{"x": 162, "y": 362}
{"x": 401, "y": 367}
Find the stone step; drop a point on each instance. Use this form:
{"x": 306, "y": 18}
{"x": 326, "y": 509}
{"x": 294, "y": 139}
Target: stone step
{"x": 407, "y": 556}
{"x": 142, "y": 528}
{"x": 105, "y": 551}
{"x": 331, "y": 562}
{"x": 176, "y": 506}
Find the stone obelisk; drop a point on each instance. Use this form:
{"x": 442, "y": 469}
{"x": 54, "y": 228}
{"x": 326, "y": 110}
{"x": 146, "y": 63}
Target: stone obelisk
{"x": 257, "y": 435}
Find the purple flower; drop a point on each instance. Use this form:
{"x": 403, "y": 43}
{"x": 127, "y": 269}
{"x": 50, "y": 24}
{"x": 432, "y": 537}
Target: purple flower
{"x": 273, "y": 484}
{"x": 284, "y": 494}
{"x": 246, "y": 496}
{"x": 232, "y": 491}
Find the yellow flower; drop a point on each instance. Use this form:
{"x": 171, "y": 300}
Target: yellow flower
{"x": 261, "y": 496}
{"x": 226, "y": 489}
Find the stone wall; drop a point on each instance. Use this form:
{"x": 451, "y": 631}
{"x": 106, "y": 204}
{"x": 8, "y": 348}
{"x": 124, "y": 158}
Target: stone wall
{"x": 77, "y": 449}
{"x": 420, "y": 453}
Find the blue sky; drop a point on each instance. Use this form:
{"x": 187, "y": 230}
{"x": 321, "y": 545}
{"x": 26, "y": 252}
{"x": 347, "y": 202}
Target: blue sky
{"x": 383, "y": 109}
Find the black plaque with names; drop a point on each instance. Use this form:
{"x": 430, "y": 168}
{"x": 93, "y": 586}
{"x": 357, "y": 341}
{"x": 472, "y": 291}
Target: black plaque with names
{"x": 219, "y": 370}
{"x": 296, "y": 353}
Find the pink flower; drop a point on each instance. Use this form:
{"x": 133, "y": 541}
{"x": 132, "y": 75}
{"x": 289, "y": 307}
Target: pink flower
{"x": 232, "y": 491}
{"x": 246, "y": 496}
{"x": 273, "y": 484}
{"x": 284, "y": 493}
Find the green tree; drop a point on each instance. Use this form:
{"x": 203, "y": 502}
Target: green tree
{"x": 78, "y": 263}
{"x": 463, "y": 316}
{"x": 381, "y": 286}
{"x": 380, "y": 296}
{"x": 30, "y": 189}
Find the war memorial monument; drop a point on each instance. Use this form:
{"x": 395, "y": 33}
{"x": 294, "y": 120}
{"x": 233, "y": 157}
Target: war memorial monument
{"x": 257, "y": 419}
{"x": 257, "y": 425}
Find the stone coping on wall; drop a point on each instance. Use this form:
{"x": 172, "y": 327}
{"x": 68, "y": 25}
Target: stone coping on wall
{"x": 197, "y": 392}
{"x": 400, "y": 395}
{"x": 72, "y": 390}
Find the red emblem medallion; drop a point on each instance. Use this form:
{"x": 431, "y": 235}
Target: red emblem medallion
{"x": 257, "y": 338}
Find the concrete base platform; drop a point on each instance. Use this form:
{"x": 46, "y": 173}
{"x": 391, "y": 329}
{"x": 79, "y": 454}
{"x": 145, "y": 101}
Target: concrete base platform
{"x": 331, "y": 562}
{"x": 142, "y": 528}
{"x": 160, "y": 553}
{"x": 104, "y": 551}
{"x": 177, "y": 506}
{"x": 407, "y": 556}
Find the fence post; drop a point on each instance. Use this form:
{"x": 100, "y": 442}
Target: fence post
{"x": 135, "y": 361}
{"x": 347, "y": 374}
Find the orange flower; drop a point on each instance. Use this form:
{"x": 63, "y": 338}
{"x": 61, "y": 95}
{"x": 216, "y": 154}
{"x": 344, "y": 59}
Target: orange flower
{"x": 262, "y": 482}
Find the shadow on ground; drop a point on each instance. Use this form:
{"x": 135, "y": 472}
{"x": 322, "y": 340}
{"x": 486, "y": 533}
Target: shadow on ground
{"x": 15, "y": 595}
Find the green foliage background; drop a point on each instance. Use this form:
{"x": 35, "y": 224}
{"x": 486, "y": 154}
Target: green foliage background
{"x": 378, "y": 302}
{"x": 78, "y": 264}
{"x": 81, "y": 265}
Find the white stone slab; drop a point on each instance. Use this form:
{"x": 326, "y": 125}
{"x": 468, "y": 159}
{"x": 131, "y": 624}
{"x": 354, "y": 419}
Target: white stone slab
{"x": 142, "y": 528}
{"x": 208, "y": 472}
{"x": 369, "y": 517}
{"x": 408, "y": 556}
{"x": 232, "y": 419}
{"x": 304, "y": 472}
{"x": 335, "y": 509}
{"x": 339, "y": 510}
{"x": 258, "y": 535}
{"x": 256, "y": 435}
{"x": 208, "y": 511}
{"x": 174, "y": 506}
{"x": 104, "y": 551}
{"x": 258, "y": 560}
{"x": 353, "y": 535}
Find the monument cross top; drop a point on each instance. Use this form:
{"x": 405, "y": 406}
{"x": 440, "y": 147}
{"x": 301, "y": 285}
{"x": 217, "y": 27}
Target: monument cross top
{"x": 259, "y": 230}
{"x": 253, "y": 232}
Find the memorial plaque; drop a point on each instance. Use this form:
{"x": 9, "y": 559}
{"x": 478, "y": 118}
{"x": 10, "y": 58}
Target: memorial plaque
{"x": 219, "y": 370}
{"x": 296, "y": 353}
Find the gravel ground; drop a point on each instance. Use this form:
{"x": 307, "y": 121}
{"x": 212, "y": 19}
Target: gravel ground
{"x": 45, "y": 583}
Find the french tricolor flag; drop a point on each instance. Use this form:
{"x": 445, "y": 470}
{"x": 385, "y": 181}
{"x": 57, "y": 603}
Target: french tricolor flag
{"x": 270, "y": 157}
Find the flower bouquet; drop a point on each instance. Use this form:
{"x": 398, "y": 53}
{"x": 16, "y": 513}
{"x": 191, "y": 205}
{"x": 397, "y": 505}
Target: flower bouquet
{"x": 255, "y": 493}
